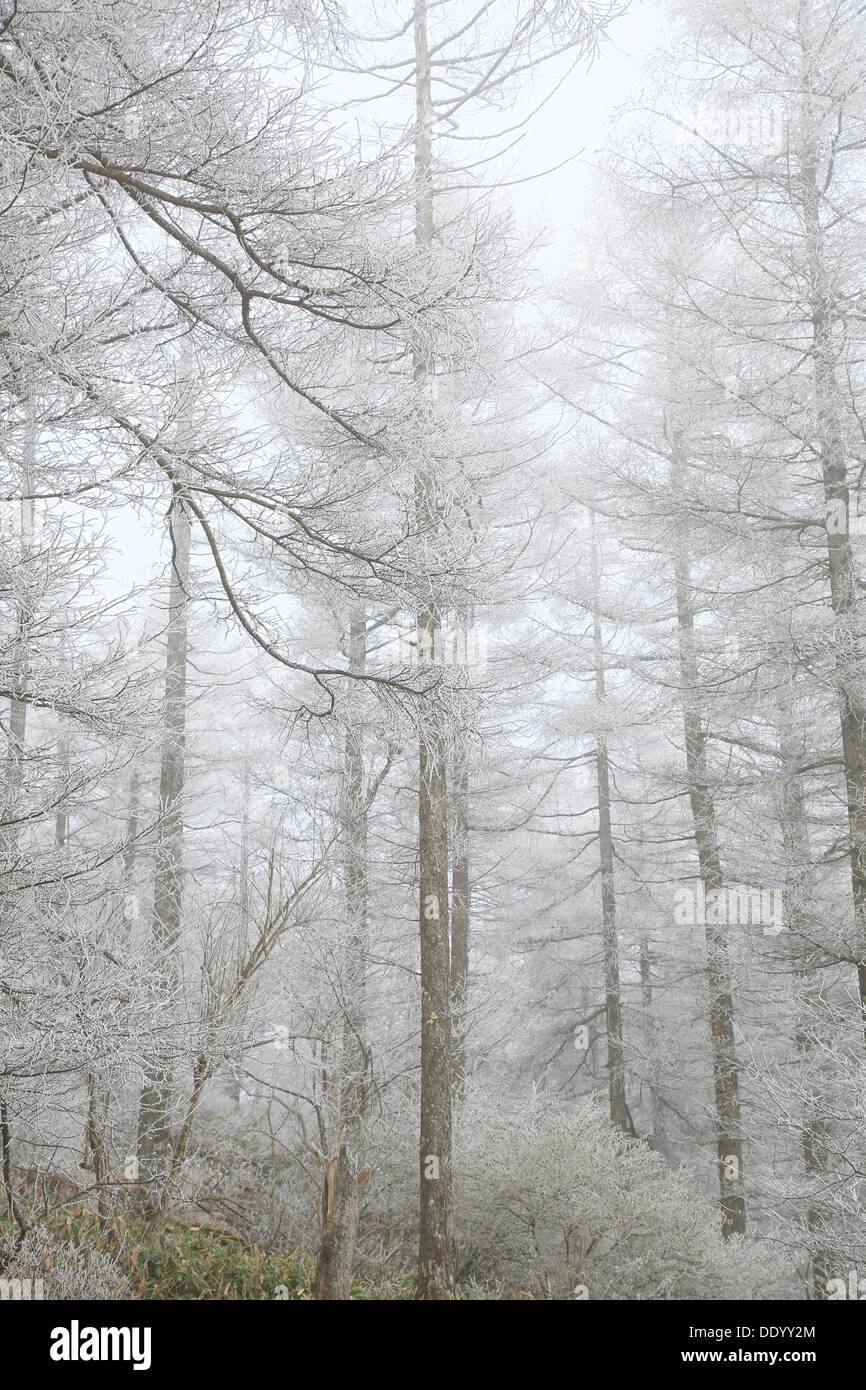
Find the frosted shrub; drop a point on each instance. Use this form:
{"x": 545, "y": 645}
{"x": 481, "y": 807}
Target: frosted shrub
{"x": 559, "y": 1201}
{"x": 66, "y": 1270}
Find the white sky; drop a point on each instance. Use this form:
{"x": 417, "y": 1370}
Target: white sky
{"x": 577, "y": 119}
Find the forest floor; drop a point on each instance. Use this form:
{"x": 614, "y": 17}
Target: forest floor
{"x": 187, "y": 1260}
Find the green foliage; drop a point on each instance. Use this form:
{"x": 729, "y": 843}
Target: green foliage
{"x": 185, "y": 1261}
{"x": 182, "y": 1260}
{"x": 197, "y": 1262}
{"x": 383, "y": 1284}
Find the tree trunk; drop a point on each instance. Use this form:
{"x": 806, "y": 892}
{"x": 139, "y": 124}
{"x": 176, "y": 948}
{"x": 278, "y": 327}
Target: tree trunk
{"x": 16, "y": 753}
{"x": 461, "y": 891}
{"x": 130, "y": 850}
{"x": 61, "y": 818}
{"x": 16, "y": 749}
{"x": 848, "y": 636}
{"x": 339, "y": 1228}
{"x": 154, "y": 1136}
{"x": 619, "y": 1112}
{"x": 801, "y": 921}
{"x": 725, "y": 1066}
{"x": 436, "y": 1241}
{"x": 436, "y": 1253}
{"x": 340, "y": 1189}
{"x": 651, "y": 1043}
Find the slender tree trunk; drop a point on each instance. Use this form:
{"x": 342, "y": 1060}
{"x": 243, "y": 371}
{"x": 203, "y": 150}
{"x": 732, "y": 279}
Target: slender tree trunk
{"x": 436, "y": 1237}
{"x": 16, "y": 751}
{"x": 154, "y": 1136}
{"x": 436, "y": 1252}
{"x": 848, "y": 635}
{"x": 96, "y": 1146}
{"x": 619, "y": 1112}
{"x": 651, "y": 1042}
{"x": 16, "y": 746}
{"x": 61, "y": 819}
{"x": 722, "y": 1042}
{"x": 96, "y": 1107}
{"x": 461, "y": 890}
{"x": 12, "y": 1202}
{"x": 129, "y": 853}
{"x": 233, "y": 1081}
{"x": 340, "y": 1188}
{"x": 801, "y": 921}
{"x": 201, "y": 1075}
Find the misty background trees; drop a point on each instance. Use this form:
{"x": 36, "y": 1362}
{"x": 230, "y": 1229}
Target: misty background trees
{"x": 433, "y": 807}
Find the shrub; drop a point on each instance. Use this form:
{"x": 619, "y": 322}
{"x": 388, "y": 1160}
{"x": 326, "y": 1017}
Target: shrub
{"x": 558, "y": 1200}
{"x": 66, "y": 1269}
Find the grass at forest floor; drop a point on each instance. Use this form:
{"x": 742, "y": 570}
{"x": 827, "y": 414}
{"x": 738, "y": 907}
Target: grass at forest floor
{"x": 185, "y": 1260}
